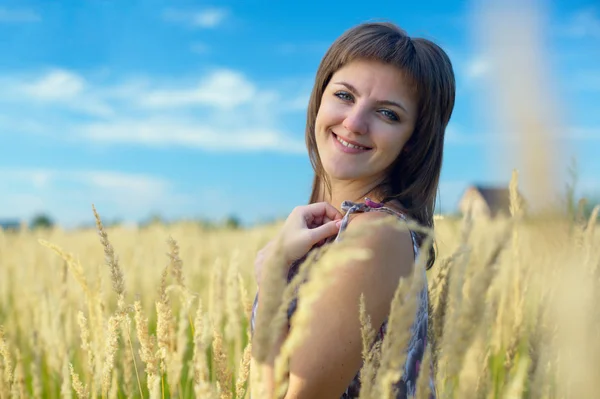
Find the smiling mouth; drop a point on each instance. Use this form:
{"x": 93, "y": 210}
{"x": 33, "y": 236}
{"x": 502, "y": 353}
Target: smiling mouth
{"x": 349, "y": 145}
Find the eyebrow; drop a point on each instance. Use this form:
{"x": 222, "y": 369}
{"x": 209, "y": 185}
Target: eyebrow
{"x": 383, "y": 102}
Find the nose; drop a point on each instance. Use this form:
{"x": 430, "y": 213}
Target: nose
{"x": 356, "y": 120}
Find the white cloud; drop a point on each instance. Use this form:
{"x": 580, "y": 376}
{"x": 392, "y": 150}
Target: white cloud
{"x": 220, "y": 111}
{"x": 165, "y": 132}
{"x": 56, "y": 87}
{"x": 107, "y": 180}
{"x": 18, "y": 15}
{"x": 207, "y": 18}
{"x": 222, "y": 88}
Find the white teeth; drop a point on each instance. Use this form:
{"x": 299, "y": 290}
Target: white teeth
{"x": 345, "y": 143}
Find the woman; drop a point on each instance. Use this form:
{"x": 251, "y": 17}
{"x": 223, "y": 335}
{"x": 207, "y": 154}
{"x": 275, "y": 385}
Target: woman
{"x": 375, "y": 128}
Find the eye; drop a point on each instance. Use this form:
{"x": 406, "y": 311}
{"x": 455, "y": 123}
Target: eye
{"x": 344, "y": 95}
{"x": 389, "y": 115}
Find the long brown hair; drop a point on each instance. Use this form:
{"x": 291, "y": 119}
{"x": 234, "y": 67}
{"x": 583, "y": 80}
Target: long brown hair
{"x": 414, "y": 176}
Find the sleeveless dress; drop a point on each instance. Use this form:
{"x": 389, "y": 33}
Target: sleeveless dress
{"x": 406, "y": 386}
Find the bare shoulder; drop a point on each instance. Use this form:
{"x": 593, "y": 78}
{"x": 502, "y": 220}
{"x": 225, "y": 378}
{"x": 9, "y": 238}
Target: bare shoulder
{"x": 392, "y": 246}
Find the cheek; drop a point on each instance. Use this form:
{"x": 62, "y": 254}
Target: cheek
{"x": 329, "y": 114}
{"x": 391, "y": 146}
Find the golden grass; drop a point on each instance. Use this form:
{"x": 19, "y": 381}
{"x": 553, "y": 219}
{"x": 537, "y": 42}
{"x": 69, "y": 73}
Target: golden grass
{"x": 514, "y": 311}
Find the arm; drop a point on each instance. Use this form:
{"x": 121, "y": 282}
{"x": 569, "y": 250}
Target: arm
{"x": 329, "y": 358}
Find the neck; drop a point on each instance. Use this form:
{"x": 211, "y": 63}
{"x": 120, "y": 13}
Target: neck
{"x": 350, "y": 190}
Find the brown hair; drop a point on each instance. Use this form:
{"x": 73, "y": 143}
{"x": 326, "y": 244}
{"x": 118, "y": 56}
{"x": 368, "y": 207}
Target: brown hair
{"x": 414, "y": 176}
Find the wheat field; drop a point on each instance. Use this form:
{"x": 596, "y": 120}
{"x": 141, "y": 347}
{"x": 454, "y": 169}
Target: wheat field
{"x": 163, "y": 311}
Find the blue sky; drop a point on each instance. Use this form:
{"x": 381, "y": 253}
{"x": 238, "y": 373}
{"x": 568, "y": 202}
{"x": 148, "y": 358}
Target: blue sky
{"x": 197, "y": 109}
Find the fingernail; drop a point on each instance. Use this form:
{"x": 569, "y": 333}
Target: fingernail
{"x": 338, "y": 223}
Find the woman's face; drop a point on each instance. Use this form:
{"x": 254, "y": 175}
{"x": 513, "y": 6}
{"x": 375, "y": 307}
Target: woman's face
{"x": 366, "y": 116}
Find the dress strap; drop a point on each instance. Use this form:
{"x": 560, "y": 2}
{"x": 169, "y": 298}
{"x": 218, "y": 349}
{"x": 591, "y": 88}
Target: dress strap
{"x": 371, "y": 206}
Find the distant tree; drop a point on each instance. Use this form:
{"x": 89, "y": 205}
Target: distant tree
{"x": 232, "y": 222}
{"x": 153, "y": 219}
{"x": 41, "y": 221}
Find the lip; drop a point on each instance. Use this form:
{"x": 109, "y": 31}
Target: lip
{"x": 345, "y": 149}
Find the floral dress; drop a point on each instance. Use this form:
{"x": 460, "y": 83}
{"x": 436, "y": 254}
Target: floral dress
{"x": 406, "y": 386}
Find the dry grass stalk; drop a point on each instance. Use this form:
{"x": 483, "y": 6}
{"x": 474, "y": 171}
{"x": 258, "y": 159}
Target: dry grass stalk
{"x": 36, "y": 377}
{"x": 233, "y": 330}
{"x": 176, "y": 361}
{"x": 391, "y": 363}
{"x": 470, "y": 373}
{"x": 243, "y": 371}
{"x": 65, "y": 388}
{"x": 4, "y": 388}
{"x": 73, "y": 265}
{"x": 542, "y": 352}
{"x": 221, "y": 366}
{"x": 175, "y": 262}
{"x": 85, "y": 343}
{"x": 110, "y": 349}
{"x": 438, "y": 318}
{"x": 112, "y": 261}
{"x": 369, "y": 354}
{"x": 589, "y": 241}
{"x": 217, "y": 294}
{"x": 402, "y": 315}
{"x": 18, "y": 388}
{"x": 245, "y": 298}
{"x": 147, "y": 347}
{"x": 514, "y": 290}
{"x": 471, "y": 308}
{"x": 164, "y": 324}
{"x": 8, "y": 364}
{"x": 291, "y": 290}
{"x": 114, "y": 387}
{"x": 271, "y": 290}
{"x": 517, "y": 383}
{"x": 515, "y": 200}
{"x": 280, "y": 320}
{"x": 423, "y": 380}
{"x": 80, "y": 388}
{"x": 202, "y": 385}
{"x": 128, "y": 364}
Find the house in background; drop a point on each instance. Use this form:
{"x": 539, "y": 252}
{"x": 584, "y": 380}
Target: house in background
{"x": 486, "y": 201}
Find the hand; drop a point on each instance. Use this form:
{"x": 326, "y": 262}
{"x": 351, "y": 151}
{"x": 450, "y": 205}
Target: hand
{"x": 305, "y": 226}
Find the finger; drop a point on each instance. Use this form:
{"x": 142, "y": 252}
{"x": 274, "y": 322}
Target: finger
{"x": 324, "y": 209}
{"x": 327, "y": 219}
{"x": 322, "y": 232}
{"x": 318, "y": 220}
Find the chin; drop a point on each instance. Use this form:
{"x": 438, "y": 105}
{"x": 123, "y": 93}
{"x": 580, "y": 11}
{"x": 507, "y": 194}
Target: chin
{"x": 342, "y": 174}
